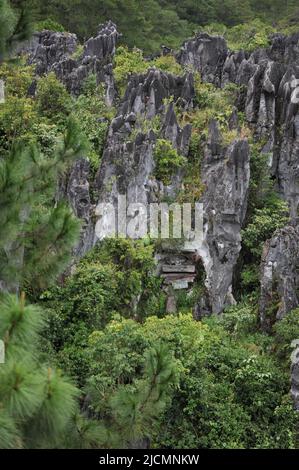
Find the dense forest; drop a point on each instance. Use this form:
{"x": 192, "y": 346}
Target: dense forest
{"x": 143, "y": 343}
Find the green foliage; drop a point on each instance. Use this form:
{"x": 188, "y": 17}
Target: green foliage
{"x": 35, "y": 239}
{"x": 264, "y": 223}
{"x": 36, "y": 403}
{"x": 17, "y": 114}
{"x": 167, "y": 63}
{"x": 212, "y": 103}
{"x": 248, "y": 36}
{"x": 21, "y": 117}
{"x": 117, "y": 276}
{"x": 286, "y": 330}
{"x": 167, "y": 160}
{"x": 240, "y": 320}
{"x": 250, "y": 280}
{"x": 143, "y": 24}
{"x": 137, "y": 409}
{"x": 218, "y": 383}
{"x": 150, "y": 23}
{"x": 17, "y": 118}
{"x": 94, "y": 117}
{"x": 126, "y": 63}
{"x": 18, "y": 78}
{"x": 78, "y": 52}
{"x": 267, "y": 211}
{"x": 53, "y": 100}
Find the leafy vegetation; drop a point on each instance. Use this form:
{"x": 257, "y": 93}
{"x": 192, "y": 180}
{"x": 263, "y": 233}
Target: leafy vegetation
{"x": 136, "y": 374}
{"x": 151, "y": 23}
{"x": 224, "y": 387}
{"x": 167, "y": 161}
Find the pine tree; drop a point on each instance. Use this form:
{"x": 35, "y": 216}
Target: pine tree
{"x": 135, "y": 409}
{"x": 38, "y": 406}
{"x": 137, "y": 413}
{"x": 36, "y": 235}
{"x": 15, "y": 25}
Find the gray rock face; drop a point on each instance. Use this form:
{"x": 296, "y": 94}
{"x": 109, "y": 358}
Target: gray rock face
{"x": 48, "y": 47}
{"x": 52, "y": 51}
{"x": 279, "y": 276}
{"x": 269, "y": 98}
{"x": 78, "y": 195}
{"x": 295, "y": 375}
{"x": 128, "y": 161}
{"x": 205, "y": 54}
{"x": 225, "y": 173}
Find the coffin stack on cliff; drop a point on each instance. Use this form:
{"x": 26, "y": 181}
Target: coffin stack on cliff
{"x": 269, "y": 78}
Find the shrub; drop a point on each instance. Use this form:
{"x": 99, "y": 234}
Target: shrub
{"x": 167, "y": 160}
{"x": 53, "y": 100}
{"x": 94, "y": 116}
{"x": 228, "y": 395}
{"x": 49, "y": 24}
{"x": 18, "y": 78}
{"x": 115, "y": 277}
{"x": 126, "y": 63}
{"x": 248, "y": 36}
{"x": 167, "y": 63}
{"x": 263, "y": 224}
{"x": 286, "y": 330}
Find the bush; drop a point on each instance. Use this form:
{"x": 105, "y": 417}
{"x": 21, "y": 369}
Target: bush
{"x": 286, "y": 330}
{"x": 117, "y": 276}
{"x": 17, "y": 77}
{"x": 167, "y": 160}
{"x": 94, "y": 117}
{"x": 263, "y": 224}
{"x": 49, "y": 24}
{"x": 167, "y": 63}
{"x": 229, "y": 396}
{"x": 248, "y": 36}
{"x": 126, "y": 63}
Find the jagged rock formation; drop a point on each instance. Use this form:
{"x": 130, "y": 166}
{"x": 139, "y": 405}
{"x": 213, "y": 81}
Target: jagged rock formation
{"x": 74, "y": 186}
{"x": 128, "y": 162}
{"x": 225, "y": 173}
{"x": 77, "y": 192}
{"x": 205, "y": 54}
{"x": 52, "y": 51}
{"x": 48, "y": 47}
{"x": 269, "y": 78}
{"x": 279, "y": 276}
